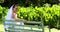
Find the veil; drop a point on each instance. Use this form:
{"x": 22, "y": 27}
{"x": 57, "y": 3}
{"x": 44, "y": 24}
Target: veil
{"x": 9, "y": 14}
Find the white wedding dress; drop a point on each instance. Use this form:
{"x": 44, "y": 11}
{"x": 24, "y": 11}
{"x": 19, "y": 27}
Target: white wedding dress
{"x": 8, "y": 17}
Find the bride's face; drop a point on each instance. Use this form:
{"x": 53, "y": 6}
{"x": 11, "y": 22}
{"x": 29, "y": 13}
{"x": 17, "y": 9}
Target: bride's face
{"x": 15, "y": 9}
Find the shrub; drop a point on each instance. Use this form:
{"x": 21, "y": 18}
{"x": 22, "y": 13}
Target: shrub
{"x": 50, "y": 15}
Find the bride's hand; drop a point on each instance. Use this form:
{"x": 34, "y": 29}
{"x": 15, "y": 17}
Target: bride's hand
{"x": 21, "y": 20}
{"x": 17, "y": 19}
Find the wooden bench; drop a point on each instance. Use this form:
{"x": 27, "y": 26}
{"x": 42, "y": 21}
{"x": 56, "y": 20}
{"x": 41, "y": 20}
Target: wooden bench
{"x": 29, "y": 26}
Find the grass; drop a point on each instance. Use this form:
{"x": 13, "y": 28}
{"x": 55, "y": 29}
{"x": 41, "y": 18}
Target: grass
{"x": 1, "y": 28}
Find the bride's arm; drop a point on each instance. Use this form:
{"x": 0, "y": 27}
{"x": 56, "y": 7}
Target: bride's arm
{"x": 17, "y": 19}
{"x": 20, "y": 19}
{"x": 14, "y": 16}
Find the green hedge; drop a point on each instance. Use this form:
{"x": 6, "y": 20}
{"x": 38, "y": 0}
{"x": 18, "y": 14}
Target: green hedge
{"x": 48, "y": 14}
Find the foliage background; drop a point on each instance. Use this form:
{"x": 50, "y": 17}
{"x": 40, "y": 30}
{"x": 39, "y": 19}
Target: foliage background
{"x": 34, "y": 10}
{"x": 48, "y": 14}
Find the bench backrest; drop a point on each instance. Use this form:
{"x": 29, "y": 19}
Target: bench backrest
{"x": 19, "y": 26}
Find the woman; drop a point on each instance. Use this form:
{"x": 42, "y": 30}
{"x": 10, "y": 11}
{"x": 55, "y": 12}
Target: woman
{"x": 12, "y": 14}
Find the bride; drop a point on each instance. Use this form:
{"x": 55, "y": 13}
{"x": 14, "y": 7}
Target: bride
{"x": 12, "y": 14}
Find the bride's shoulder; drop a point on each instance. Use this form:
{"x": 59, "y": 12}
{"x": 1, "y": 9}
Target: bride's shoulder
{"x": 15, "y": 14}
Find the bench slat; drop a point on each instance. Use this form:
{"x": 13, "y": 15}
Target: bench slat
{"x": 11, "y": 29}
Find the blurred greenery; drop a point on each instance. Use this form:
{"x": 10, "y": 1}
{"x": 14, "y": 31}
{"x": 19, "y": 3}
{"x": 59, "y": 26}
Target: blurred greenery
{"x": 50, "y": 15}
{"x": 27, "y": 3}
